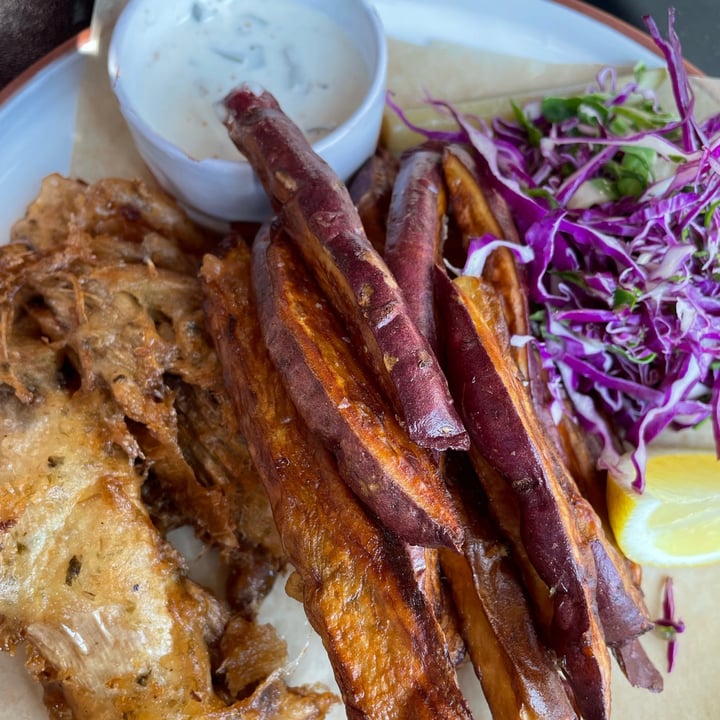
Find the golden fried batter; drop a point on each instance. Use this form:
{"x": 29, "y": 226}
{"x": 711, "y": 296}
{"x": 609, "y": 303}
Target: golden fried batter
{"x": 109, "y": 388}
{"x": 84, "y": 576}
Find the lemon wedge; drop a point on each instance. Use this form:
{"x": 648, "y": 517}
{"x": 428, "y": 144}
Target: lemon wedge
{"x": 676, "y": 520}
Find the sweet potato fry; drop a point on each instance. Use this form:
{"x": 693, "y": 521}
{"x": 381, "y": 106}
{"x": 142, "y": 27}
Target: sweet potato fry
{"x": 415, "y": 232}
{"x": 518, "y": 676}
{"x": 469, "y": 203}
{"x": 631, "y": 658}
{"x": 479, "y": 209}
{"x": 425, "y": 563}
{"x": 413, "y": 245}
{"x": 490, "y": 397}
{"x": 637, "y": 666}
{"x": 358, "y": 587}
{"x": 397, "y": 479}
{"x": 579, "y": 452}
{"x": 318, "y": 214}
{"x": 621, "y": 605}
{"x": 630, "y": 655}
{"x": 371, "y": 189}
{"x": 426, "y": 568}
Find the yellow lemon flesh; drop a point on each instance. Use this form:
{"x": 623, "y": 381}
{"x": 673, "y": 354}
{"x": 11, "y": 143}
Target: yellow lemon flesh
{"x": 676, "y": 520}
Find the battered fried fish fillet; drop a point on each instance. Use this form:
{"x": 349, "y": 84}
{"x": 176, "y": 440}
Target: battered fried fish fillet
{"x": 85, "y": 578}
{"x": 119, "y": 295}
{"x": 113, "y": 627}
{"x": 108, "y": 384}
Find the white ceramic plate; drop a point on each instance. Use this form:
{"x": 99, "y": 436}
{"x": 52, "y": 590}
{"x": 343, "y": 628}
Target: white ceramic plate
{"x": 37, "y": 120}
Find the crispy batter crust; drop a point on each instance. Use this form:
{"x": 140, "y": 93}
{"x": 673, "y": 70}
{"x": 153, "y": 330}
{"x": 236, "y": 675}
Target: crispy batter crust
{"x": 107, "y": 379}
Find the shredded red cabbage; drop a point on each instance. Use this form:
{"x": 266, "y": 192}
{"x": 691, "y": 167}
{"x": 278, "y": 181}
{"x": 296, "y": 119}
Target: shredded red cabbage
{"x": 668, "y": 625}
{"x": 618, "y": 204}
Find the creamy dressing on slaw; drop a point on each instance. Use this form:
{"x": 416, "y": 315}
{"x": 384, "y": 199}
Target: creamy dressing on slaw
{"x": 296, "y": 52}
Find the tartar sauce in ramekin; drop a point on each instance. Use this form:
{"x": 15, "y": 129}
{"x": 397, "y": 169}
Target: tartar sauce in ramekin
{"x": 296, "y": 52}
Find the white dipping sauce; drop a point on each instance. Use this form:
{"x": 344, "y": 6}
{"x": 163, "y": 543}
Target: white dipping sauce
{"x": 305, "y": 59}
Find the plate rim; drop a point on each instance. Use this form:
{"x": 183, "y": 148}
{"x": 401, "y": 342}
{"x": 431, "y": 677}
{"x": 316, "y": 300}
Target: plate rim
{"x": 624, "y": 28}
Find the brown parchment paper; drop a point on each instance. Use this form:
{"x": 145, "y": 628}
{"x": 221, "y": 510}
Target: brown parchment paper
{"x": 103, "y": 147}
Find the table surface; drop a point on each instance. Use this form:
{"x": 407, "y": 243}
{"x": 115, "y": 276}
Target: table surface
{"x": 697, "y": 23}
{"x": 31, "y": 28}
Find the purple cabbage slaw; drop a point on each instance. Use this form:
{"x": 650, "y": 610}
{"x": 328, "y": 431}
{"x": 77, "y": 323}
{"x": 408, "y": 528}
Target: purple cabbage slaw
{"x": 618, "y": 205}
